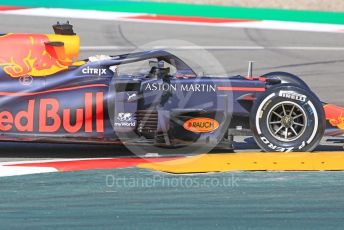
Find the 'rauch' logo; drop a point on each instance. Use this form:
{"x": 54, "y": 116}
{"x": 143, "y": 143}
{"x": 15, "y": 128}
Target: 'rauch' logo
{"x": 201, "y": 125}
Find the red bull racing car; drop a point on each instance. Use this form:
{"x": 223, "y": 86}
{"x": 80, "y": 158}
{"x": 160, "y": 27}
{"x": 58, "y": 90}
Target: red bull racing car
{"x": 47, "y": 95}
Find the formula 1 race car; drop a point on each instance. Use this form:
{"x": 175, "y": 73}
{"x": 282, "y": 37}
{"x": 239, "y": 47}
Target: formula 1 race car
{"x": 46, "y": 95}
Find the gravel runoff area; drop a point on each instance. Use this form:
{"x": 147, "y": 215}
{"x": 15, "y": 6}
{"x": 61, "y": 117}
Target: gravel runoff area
{"x": 318, "y": 5}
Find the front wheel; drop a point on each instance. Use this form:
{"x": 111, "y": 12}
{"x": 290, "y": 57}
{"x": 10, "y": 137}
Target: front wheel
{"x": 287, "y": 118}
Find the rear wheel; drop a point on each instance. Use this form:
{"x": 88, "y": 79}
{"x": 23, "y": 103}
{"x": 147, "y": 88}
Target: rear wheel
{"x": 287, "y": 118}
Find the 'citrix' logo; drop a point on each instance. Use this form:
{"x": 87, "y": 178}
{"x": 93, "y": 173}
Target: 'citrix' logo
{"x": 94, "y": 71}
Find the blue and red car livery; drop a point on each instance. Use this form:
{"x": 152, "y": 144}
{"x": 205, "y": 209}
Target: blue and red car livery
{"x": 46, "y": 94}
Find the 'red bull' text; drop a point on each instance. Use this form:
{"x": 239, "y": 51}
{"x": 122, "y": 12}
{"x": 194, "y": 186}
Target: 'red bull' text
{"x": 52, "y": 117}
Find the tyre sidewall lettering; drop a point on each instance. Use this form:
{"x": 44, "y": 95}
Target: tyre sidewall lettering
{"x": 275, "y": 147}
{"x": 301, "y": 98}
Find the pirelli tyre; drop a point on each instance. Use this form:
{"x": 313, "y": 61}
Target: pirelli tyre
{"x": 287, "y": 118}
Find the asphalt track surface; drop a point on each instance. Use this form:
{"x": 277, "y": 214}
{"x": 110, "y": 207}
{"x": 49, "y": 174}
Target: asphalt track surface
{"x": 261, "y": 200}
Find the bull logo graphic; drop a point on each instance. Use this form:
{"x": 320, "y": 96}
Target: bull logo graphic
{"x": 37, "y": 54}
{"x": 335, "y": 115}
{"x": 124, "y": 117}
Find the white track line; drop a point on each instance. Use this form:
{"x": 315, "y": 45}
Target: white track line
{"x": 120, "y": 16}
{"x": 303, "y": 48}
{"x": 20, "y": 170}
{"x": 11, "y": 168}
{"x": 10, "y": 163}
{"x": 294, "y": 26}
{"x": 69, "y": 13}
